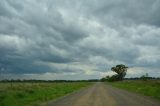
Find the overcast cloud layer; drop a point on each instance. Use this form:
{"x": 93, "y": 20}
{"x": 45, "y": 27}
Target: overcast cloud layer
{"x": 78, "y": 39}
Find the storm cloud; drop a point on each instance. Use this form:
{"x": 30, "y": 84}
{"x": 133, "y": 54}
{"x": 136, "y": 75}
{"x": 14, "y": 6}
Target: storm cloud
{"x": 78, "y": 39}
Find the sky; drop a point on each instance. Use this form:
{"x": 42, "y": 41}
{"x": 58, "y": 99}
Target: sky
{"x": 78, "y": 39}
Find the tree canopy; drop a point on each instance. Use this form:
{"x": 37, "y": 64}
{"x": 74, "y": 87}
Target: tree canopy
{"x": 120, "y": 70}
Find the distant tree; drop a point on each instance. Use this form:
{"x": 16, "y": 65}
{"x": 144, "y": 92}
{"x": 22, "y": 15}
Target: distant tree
{"x": 107, "y": 78}
{"x": 145, "y": 77}
{"x": 103, "y": 79}
{"x": 120, "y": 70}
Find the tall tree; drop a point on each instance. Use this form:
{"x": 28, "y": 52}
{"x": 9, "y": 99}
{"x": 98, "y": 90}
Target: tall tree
{"x": 120, "y": 70}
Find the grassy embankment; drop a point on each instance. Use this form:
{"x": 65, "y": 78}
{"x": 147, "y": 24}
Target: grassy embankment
{"x": 149, "y": 88}
{"x": 25, "y": 94}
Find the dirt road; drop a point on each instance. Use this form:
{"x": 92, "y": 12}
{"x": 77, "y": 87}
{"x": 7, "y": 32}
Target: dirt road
{"x": 101, "y": 94}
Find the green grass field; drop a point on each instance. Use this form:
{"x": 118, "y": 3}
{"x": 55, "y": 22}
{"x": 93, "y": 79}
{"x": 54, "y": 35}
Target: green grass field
{"x": 148, "y": 88}
{"x": 26, "y": 94}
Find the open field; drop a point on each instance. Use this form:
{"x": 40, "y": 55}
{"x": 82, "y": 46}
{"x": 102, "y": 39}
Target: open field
{"x": 24, "y": 94}
{"x": 149, "y": 88}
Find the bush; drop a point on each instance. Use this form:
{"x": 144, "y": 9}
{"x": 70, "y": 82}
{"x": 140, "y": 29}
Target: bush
{"x": 111, "y": 79}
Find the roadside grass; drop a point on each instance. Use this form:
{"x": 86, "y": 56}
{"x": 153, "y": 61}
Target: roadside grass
{"x": 26, "y": 94}
{"x": 149, "y": 88}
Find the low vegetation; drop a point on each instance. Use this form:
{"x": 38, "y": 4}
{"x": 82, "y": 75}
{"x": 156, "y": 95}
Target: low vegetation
{"x": 25, "y": 94}
{"x": 148, "y": 88}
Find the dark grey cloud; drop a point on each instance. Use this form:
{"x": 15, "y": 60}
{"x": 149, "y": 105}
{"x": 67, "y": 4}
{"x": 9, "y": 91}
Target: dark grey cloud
{"x": 81, "y": 39}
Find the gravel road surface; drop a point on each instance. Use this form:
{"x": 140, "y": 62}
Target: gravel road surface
{"x": 101, "y": 94}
